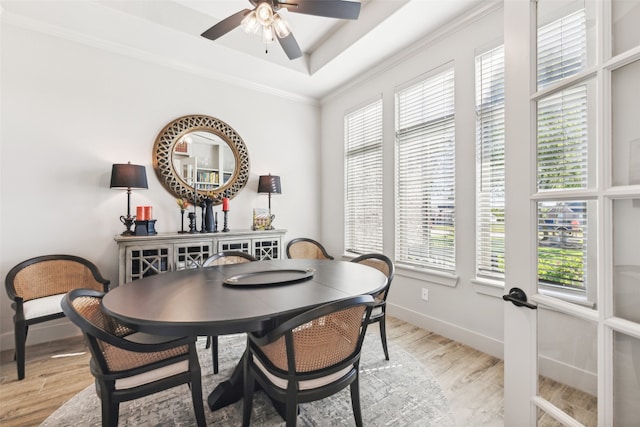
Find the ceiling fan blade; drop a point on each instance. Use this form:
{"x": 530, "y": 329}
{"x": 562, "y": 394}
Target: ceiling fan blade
{"x": 290, "y": 46}
{"x": 328, "y": 8}
{"x": 226, "y": 25}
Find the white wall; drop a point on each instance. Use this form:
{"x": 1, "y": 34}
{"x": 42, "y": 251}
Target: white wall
{"x": 460, "y": 311}
{"x": 69, "y": 111}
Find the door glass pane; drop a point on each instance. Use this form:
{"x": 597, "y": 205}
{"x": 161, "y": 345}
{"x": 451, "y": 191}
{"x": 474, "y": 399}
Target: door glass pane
{"x": 565, "y": 43}
{"x": 626, "y": 260}
{"x": 567, "y": 364}
{"x": 565, "y": 138}
{"x": 626, "y": 380}
{"x": 626, "y": 31}
{"x": 566, "y": 243}
{"x": 625, "y": 104}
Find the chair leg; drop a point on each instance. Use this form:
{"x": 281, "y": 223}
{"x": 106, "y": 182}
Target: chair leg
{"x": 292, "y": 414}
{"x": 355, "y": 402}
{"x": 21, "y": 330}
{"x": 383, "y": 336}
{"x": 214, "y": 353}
{"x": 208, "y": 344}
{"x": 249, "y": 386}
{"x": 110, "y": 410}
{"x": 196, "y": 396}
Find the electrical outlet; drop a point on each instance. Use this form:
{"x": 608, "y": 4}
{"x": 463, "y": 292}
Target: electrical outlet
{"x": 425, "y": 294}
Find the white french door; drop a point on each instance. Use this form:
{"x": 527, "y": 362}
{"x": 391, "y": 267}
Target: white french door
{"x": 572, "y": 160}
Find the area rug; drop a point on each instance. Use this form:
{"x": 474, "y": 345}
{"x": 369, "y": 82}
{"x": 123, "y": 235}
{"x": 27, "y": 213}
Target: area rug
{"x": 398, "y": 392}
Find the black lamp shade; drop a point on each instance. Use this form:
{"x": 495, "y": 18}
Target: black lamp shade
{"x": 128, "y": 176}
{"x": 269, "y": 184}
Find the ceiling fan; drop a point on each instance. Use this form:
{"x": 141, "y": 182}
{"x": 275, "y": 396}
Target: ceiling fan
{"x": 265, "y": 17}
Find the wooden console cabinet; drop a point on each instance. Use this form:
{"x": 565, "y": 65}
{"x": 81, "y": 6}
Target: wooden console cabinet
{"x": 141, "y": 256}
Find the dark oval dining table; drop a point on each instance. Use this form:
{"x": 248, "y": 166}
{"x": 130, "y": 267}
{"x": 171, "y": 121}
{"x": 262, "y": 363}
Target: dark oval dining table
{"x": 208, "y": 301}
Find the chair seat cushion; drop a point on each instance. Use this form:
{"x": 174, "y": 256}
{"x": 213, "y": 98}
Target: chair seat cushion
{"x": 154, "y": 375}
{"x": 41, "y": 307}
{"x": 307, "y": 384}
{"x": 377, "y": 311}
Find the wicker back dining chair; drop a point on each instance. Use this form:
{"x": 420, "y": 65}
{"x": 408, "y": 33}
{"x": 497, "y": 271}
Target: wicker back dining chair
{"x": 378, "y": 314}
{"x": 308, "y": 357}
{"x": 304, "y": 247}
{"x": 228, "y": 257}
{"x": 127, "y": 364}
{"x": 223, "y": 258}
{"x": 36, "y": 287}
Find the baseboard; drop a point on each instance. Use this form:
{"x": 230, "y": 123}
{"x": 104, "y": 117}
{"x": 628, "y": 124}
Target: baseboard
{"x": 42, "y": 333}
{"x": 464, "y": 336}
{"x": 570, "y": 375}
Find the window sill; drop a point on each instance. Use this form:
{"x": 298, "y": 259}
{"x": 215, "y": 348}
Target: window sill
{"x": 436, "y": 277}
{"x": 492, "y": 288}
{"x": 568, "y": 297}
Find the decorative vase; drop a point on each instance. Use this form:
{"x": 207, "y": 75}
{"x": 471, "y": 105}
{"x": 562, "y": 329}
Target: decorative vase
{"x": 209, "y": 221}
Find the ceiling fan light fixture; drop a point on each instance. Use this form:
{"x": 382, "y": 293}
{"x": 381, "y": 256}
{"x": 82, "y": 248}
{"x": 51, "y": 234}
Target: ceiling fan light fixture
{"x": 267, "y": 34}
{"x": 281, "y": 26}
{"x": 250, "y": 23}
{"x": 264, "y": 17}
{"x": 264, "y": 14}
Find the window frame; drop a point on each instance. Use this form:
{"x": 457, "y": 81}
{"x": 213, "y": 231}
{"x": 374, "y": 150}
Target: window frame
{"x": 483, "y": 271}
{"x": 438, "y": 256}
{"x": 367, "y": 142}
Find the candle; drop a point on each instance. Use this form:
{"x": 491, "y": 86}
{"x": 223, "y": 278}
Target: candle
{"x": 225, "y": 204}
{"x": 140, "y": 213}
{"x": 148, "y": 212}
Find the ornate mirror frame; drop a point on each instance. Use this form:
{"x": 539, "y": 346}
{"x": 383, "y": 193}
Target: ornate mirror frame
{"x": 169, "y": 137}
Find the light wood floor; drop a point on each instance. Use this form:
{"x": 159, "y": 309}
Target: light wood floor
{"x": 471, "y": 380}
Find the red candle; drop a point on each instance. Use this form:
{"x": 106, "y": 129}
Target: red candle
{"x": 140, "y": 214}
{"x": 225, "y": 204}
{"x": 148, "y": 212}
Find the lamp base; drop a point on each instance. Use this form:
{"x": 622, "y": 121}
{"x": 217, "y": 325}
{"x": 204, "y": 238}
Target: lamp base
{"x": 128, "y": 222}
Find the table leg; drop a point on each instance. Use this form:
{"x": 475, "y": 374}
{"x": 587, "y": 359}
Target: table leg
{"x": 232, "y": 390}
{"x": 229, "y": 391}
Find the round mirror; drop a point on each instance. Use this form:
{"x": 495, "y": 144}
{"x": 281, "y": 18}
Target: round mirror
{"x": 200, "y": 157}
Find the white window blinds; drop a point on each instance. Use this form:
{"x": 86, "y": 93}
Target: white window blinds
{"x": 490, "y": 181}
{"x": 562, "y": 48}
{"x": 562, "y": 139}
{"x": 363, "y": 179}
{"x": 425, "y": 169}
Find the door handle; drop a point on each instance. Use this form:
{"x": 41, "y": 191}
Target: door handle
{"x": 519, "y": 298}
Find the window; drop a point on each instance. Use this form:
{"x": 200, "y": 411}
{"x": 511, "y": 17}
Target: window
{"x": 425, "y": 169}
{"x": 563, "y": 136}
{"x": 363, "y": 179}
{"x": 490, "y": 164}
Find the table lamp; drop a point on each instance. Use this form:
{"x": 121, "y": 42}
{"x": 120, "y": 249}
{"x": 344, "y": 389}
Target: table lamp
{"x": 269, "y": 184}
{"x": 128, "y": 176}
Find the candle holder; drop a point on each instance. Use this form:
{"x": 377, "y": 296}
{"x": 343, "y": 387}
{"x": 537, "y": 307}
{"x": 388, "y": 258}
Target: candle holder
{"x": 181, "y": 222}
{"x": 215, "y": 223}
{"x": 226, "y": 228}
{"x": 192, "y": 223}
